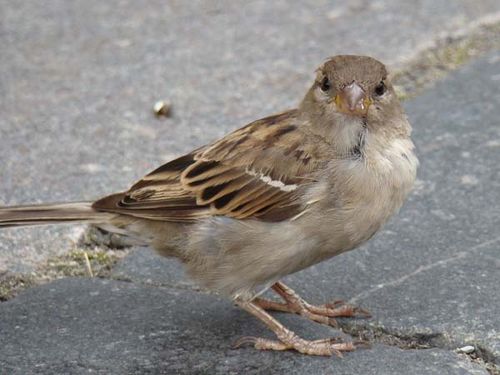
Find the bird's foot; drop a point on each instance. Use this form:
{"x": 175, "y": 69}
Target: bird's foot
{"x": 323, "y": 347}
{"x": 324, "y": 314}
{"x": 288, "y": 340}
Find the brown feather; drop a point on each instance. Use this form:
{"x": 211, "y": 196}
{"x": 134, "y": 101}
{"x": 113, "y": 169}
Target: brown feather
{"x": 49, "y": 214}
{"x": 253, "y": 172}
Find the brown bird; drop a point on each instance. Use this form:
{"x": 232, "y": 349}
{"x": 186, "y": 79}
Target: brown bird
{"x": 272, "y": 198}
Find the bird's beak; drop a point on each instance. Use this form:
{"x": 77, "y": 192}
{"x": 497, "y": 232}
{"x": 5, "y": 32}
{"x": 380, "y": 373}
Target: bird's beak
{"x": 352, "y": 100}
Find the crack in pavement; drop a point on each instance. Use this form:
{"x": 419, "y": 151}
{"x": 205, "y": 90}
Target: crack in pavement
{"x": 419, "y": 341}
{"x": 402, "y": 279}
{"x": 446, "y": 54}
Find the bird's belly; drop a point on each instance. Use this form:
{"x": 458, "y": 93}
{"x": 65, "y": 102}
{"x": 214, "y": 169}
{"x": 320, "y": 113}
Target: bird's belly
{"x": 236, "y": 258}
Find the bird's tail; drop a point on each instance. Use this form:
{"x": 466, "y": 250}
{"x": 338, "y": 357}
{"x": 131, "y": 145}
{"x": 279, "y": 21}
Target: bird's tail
{"x": 50, "y": 214}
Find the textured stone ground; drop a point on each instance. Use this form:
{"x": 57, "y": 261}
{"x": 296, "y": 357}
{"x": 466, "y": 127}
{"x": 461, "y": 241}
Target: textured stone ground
{"x": 79, "y": 326}
{"x": 78, "y": 80}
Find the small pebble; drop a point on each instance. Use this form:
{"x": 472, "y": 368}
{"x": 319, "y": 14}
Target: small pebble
{"x": 468, "y": 349}
{"x": 162, "y": 108}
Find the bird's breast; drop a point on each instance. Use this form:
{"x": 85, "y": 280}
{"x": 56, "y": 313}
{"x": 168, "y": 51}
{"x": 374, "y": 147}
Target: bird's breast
{"x": 358, "y": 196}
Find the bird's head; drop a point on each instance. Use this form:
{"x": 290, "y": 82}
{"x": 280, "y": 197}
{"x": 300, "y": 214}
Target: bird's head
{"x": 351, "y": 94}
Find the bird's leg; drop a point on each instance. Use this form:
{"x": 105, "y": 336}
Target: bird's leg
{"x": 288, "y": 340}
{"x": 324, "y": 314}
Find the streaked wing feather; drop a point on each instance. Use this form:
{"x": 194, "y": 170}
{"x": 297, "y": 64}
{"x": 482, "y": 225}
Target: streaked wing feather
{"x": 254, "y": 172}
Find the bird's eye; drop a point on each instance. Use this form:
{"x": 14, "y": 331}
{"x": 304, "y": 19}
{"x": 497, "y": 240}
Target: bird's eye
{"x": 325, "y": 84}
{"x": 380, "y": 89}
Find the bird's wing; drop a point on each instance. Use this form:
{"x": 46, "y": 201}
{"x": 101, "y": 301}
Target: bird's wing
{"x": 254, "y": 172}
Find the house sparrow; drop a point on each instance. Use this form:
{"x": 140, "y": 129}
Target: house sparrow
{"x": 272, "y": 198}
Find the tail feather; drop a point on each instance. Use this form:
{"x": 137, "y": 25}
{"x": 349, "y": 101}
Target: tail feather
{"x": 50, "y": 214}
